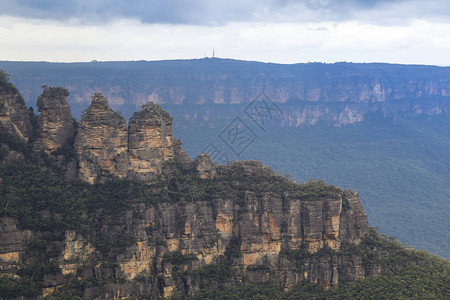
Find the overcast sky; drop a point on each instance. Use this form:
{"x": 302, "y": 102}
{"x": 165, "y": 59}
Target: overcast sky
{"x": 284, "y": 31}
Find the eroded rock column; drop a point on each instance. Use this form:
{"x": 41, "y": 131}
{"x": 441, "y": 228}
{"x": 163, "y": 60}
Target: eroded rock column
{"x": 55, "y": 121}
{"x": 150, "y": 141}
{"x": 101, "y": 143}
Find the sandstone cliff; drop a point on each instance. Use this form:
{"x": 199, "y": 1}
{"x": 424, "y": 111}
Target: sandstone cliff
{"x": 55, "y": 121}
{"x": 104, "y": 147}
{"x": 16, "y": 129}
{"x": 101, "y": 143}
{"x": 248, "y": 220}
{"x": 11, "y": 245}
{"x": 150, "y": 141}
{"x": 14, "y": 115}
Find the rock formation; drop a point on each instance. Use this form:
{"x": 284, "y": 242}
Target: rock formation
{"x": 254, "y": 228}
{"x": 55, "y": 121}
{"x": 180, "y": 154}
{"x": 14, "y": 115}
{"x": 11, "y": 245}
{"x": 150, "y": 141}
{"x": 101, "y": 143}
{"x": 205, "y": 166}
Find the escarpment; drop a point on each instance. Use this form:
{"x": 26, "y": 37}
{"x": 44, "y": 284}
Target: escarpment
{"x": 256, "y": 224}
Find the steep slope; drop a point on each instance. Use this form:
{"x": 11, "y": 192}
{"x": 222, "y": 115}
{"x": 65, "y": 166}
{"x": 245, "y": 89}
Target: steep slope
{"x": 15, "y": 125}
{"x": 13, "y": 111}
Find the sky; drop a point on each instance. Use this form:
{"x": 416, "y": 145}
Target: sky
{"x": 280, "y": 31}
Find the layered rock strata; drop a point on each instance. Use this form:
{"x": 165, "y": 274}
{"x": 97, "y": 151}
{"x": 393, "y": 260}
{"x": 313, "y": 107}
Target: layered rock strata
{"x": 256, "y": 230}
{"x": 14, "y": 115}
{"x": 55, "y": 121}
{"x": 150, "y": 141}
{"x": 101, "y": 143}
{"x": 11, "y": 245}
{"x": 106, "y": 148}
{"x": 15, "y": 125}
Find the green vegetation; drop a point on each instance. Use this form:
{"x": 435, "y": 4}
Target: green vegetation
{"x": 177, "y": 258}
{"x": 10, "y": 287}
{"x": 401, "y": 170}
{"x": 42, "y": 201}
{"x": 14, "y": 143}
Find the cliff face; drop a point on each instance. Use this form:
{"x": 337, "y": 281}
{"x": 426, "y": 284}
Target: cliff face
{"x": 252, "y": 222}
{"x": 14, "y": 115}
{"x": 55, "y": 121}
{"x": 101, "y": 143}
{"x": 150, "y": 141}
{"x": 11, "y": 245}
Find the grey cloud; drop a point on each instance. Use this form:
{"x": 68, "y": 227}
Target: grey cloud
{"x": 206, "y": 12}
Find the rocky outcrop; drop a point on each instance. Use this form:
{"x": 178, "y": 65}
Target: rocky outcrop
{"x": 76, "y": 251}
{"x": 106, "y": 149}
{"x": 263, "y": 228}
{"x": 180, "y": 154}
{"x": 101, "y": 143}
{"x": 11, "y": 245}
{"x": 205, "y": 166}
{"x": 355, "y": 219}
{"x": 55, "y": 121}
{"x": 150, "y": 141}
{"x": 14, "y": 115}
{"x": 16, "y": 129}
{"x": 259, "y": 230}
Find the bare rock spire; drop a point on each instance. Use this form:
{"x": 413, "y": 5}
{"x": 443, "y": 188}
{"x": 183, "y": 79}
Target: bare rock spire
{"x": 55, "y": 121}
{"x": 150, "y": 141}
{"x": 101, "y": 143}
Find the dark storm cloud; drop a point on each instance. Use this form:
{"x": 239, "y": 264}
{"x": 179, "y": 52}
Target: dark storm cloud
{"x": 219, "y": 12}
